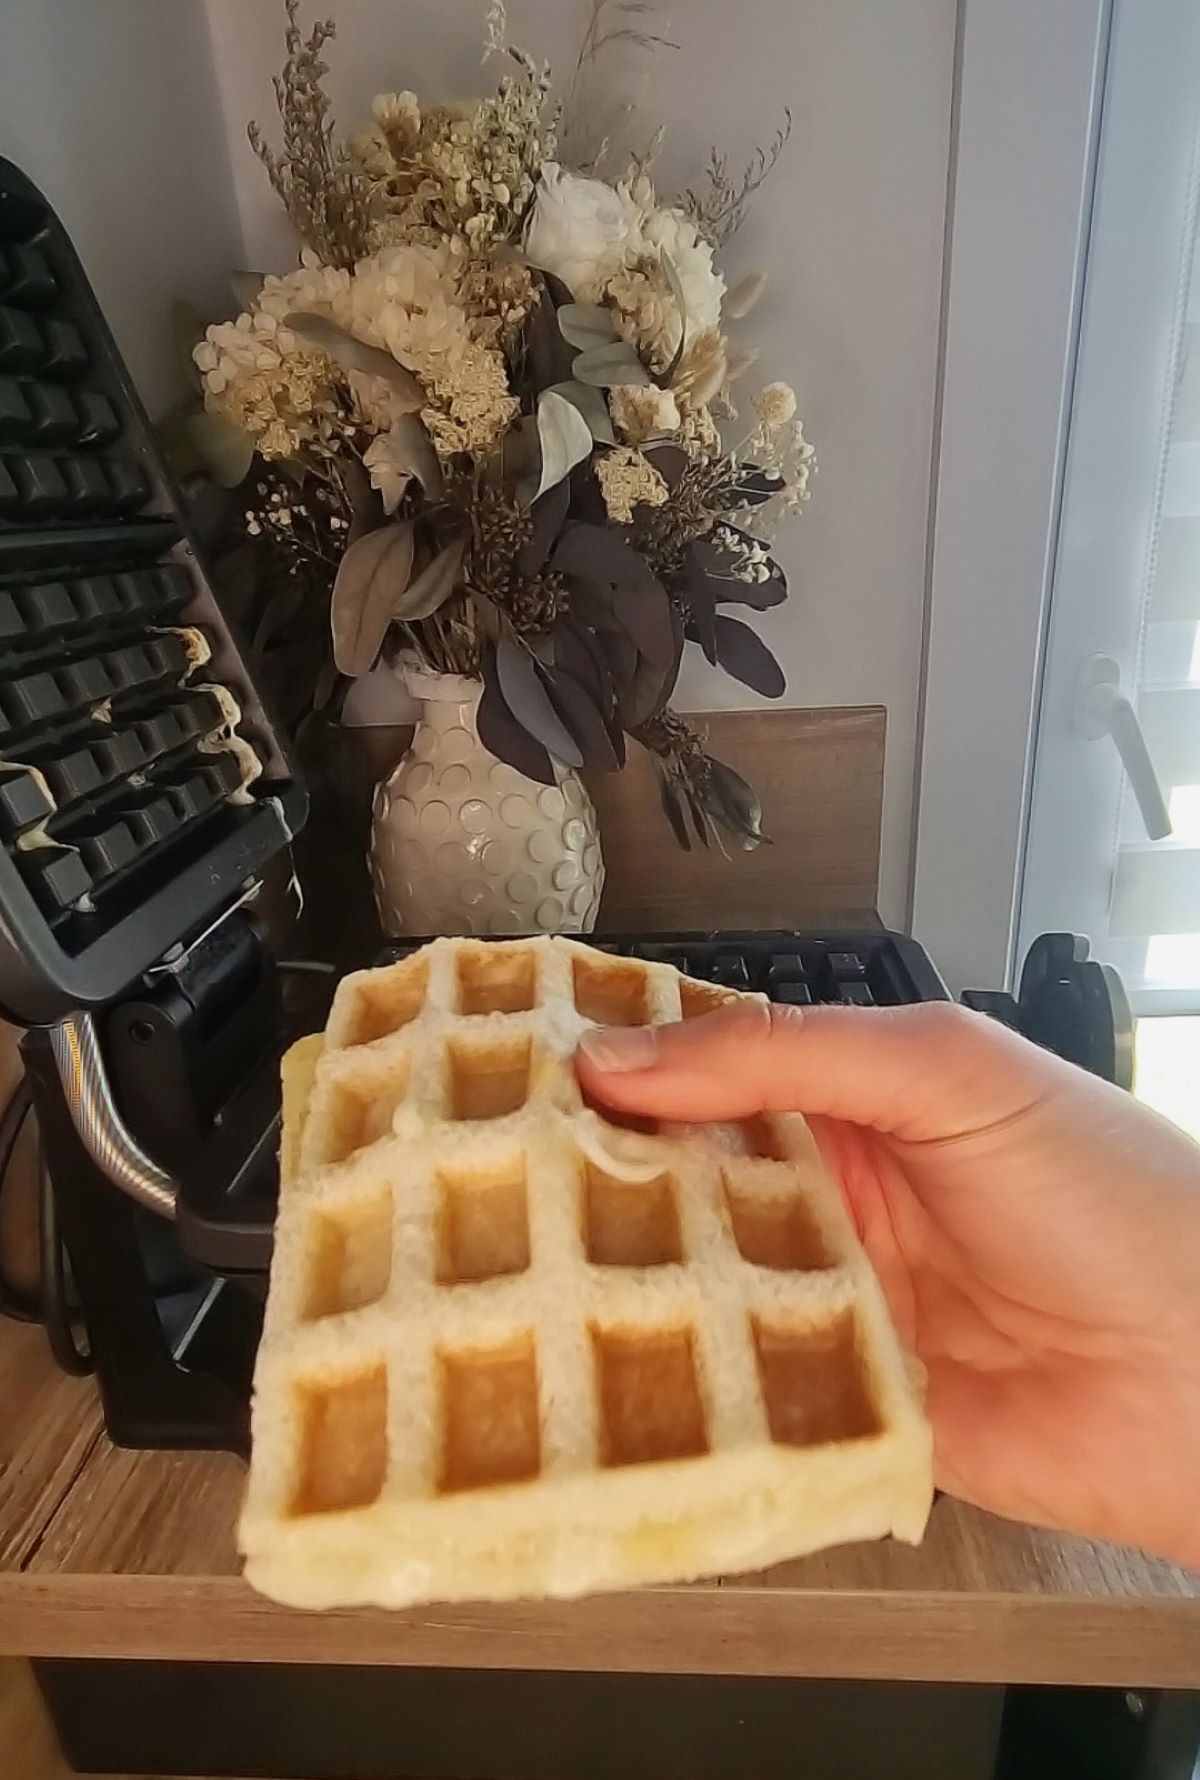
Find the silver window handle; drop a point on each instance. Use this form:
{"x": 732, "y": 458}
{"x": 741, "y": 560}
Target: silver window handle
{"x": 1102, "y": 709}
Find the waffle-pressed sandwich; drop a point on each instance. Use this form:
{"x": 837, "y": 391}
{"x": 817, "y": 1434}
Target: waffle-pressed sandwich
{"x": 513, "y": 1349}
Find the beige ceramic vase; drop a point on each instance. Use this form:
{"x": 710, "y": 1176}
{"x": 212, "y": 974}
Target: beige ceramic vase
{"x": 462, "y": 843}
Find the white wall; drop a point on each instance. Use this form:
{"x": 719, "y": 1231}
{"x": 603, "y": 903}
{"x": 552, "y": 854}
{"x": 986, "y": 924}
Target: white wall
{"x": 112, "y": 108}
{"x": 850, "y": 230}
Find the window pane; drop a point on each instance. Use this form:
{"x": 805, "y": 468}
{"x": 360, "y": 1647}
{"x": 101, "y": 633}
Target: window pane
{"x": 1125, "y": 600}
{"x": 1168, "y": 1069}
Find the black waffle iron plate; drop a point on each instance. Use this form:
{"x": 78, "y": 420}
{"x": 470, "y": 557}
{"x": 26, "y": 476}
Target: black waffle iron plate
{"x": 141, "y": 783}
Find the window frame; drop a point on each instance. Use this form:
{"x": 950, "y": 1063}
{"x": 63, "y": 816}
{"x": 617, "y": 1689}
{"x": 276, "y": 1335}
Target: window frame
{"x": 1029, "y": 84}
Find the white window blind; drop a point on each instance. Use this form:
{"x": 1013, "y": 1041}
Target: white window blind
{"x": 1155, "y": 916}
{"x": 1125, "y": 593}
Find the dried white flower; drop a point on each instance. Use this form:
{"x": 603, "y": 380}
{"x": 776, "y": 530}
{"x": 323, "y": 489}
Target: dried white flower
{"x": 642, "y": 411}
{"x": 578, "y": 229}
{"x": 410, "y": 301}
{"x": 669, "y": 234}
{"x": 397, "y": 111}
{"x": 628, "y": 480}
{"x": 775, "y": 405}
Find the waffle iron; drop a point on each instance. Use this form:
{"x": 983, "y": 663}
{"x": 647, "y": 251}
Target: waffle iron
{"x": 143, "y": 790}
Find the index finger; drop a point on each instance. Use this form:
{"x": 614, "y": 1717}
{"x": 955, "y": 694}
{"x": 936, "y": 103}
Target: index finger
{"x": 921, "y": 1072}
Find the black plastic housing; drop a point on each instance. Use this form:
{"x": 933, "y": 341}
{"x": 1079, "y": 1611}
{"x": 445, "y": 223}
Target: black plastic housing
{"x": 867, "y": 968}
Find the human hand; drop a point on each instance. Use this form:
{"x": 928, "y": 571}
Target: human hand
{"x": 1036, "y": 1231}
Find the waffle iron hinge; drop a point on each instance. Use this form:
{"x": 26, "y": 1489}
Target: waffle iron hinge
{"x": 187, "y": 1068}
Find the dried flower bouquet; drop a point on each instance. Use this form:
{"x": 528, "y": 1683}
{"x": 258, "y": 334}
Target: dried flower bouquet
{"x": 488, "y": 418}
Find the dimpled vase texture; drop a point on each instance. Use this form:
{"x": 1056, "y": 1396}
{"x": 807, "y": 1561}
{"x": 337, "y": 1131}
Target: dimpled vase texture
{"x": 462, "y": 843}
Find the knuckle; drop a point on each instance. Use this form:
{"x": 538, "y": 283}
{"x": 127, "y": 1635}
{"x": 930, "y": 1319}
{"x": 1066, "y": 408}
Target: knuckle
{"x": 944, "y": 1022}
{"x": 776, "y": 1018}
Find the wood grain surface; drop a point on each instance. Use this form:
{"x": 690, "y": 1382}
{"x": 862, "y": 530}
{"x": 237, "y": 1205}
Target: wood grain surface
{"x": 820, "y": 777}
{"x": 133, "y": 1555}
{"x": 49, "y": 1425}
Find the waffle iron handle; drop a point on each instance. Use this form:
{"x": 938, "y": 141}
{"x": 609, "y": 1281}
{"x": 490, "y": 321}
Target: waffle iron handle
{"x": 150, "y": 1398}
{"x": 1069, "y": 1003}
{"x": 88, "y": 1097}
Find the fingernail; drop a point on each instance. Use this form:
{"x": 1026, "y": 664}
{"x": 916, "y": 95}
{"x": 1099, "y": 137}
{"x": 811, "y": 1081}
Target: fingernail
{"x": 620, "y": 1048}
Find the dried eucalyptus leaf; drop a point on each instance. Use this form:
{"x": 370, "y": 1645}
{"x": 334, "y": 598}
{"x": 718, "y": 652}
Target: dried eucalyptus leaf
{"x": 673, "y": 810}
{"x": 557, "y": 289}
{"x": 713, "y": 554}
{"x": 326, "y": 686}
{"x": 607, "y": 366}
{"x": 673, "y": 279}
{"x": 702, "y": 599}
{"x": 598, "y": 554}
{"x": 671, "y": 677}
{"x": 504, "y": 736}
{"x": 592, "y": 607}
{"x": 734, "y": 803}
{"x": 487, "y": 616}
{"x": 579, "y": 653}
{"x": 670, "y": 461}
{"x": 622, "y": 658}
{"x": 518, "y": 457}
{"x": 433, "y": 586}
{"x": 412, "y": 449}
{"x": 371, "y": 578}
{"x": 546, "y": 515}
{"x": 188, "y": 328}
{"x": 742, "y": 653}
{"x": 587, "y": 325}
{"x": 354, "y": 355}
{"x": 647, "y": 618}
{"x": 526, "y": 697}
{"x": 356, "y": 483}
{"x": 640, "y": 693}
{"x": 548, "y": 356}
{"x": 592, "y": 405}
{"x": 699, "y": 819}
{"x": 224, "y": 448}
{"x": 760, "y": 596}
{"x": 565, "y": 437}
{"x": 246, "y": 288}
{"x": 280, "y": 613}
{"x": 366, "y": 503}
{"x": 575, "y": 705}
{"x": 669, "y": 267}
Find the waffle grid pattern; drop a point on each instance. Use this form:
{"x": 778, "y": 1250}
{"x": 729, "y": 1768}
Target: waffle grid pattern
{"x": 479, "y": 1284}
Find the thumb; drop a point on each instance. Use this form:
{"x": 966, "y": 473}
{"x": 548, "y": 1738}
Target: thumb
{"x": 931, "y": 1071}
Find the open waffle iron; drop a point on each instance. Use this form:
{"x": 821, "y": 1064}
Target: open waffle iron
{"x": 143, "y": 789}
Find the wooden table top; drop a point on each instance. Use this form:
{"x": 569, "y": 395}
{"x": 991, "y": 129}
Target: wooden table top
{"x": 108, "y": 1553}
